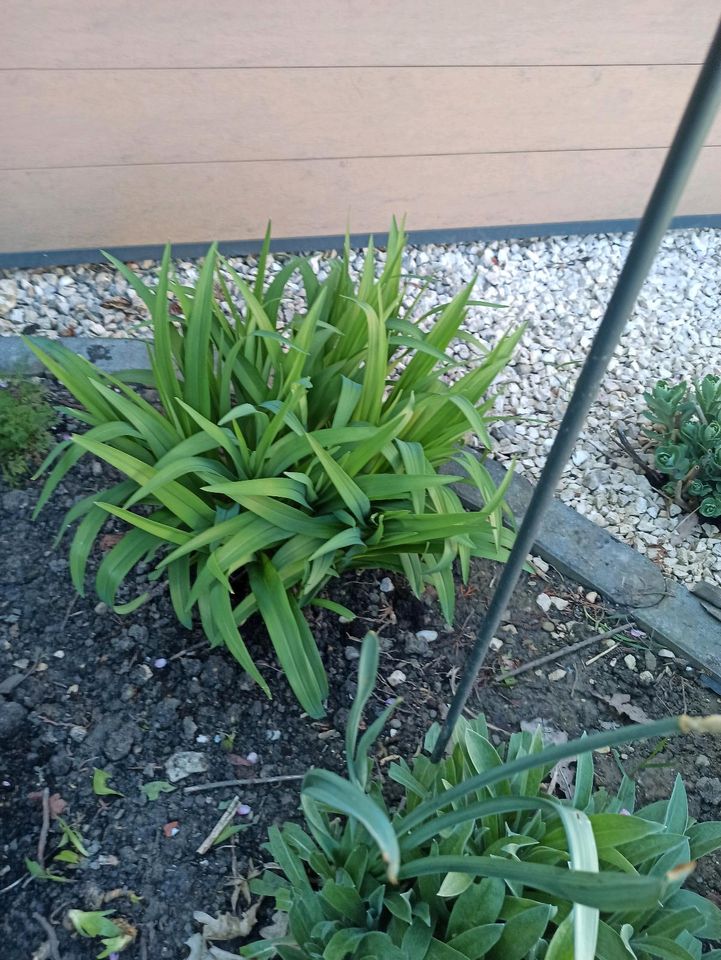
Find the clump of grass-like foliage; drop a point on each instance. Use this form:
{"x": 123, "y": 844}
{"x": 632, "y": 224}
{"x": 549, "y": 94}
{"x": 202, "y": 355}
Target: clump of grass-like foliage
{"x": 278, "y": 455}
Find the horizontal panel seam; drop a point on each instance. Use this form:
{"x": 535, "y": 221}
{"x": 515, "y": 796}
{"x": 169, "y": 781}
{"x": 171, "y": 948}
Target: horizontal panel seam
{"x": 346, "y": 66}
{"x": 330, "y": 159}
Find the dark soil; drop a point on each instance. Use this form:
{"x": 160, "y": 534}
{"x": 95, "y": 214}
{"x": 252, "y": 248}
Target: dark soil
{"x": 81, "y": 690}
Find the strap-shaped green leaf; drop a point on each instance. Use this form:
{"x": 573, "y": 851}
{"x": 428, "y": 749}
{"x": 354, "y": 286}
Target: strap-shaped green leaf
{"x": 299, "y": 658}
{"x": 340, "y": 795}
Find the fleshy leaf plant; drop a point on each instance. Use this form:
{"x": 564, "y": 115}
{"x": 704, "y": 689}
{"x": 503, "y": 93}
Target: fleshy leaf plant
{"x": 476, "y": 860}
{"x": 685, "y": 437}
{"x": 274, "y": 453}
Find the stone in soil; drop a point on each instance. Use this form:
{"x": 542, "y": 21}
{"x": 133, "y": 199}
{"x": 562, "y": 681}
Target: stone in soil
{"x": 185, "y": 763}
{"x": 12, "y": 719}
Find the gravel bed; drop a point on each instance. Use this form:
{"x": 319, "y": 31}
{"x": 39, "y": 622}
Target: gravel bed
{"x": 559, "y": 287}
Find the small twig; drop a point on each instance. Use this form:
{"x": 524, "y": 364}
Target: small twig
{"x": 565, "y": 651}
{"x": 53, "y": 944}
{"x": 252, "y": 782}
{"x": 614, "y": 646}
{"x": 43, "y": 839}
{"x": 25, "y": 878}
{"x": 53, "y": 723}
{"x": 222, "y": 823}
{"x": 71, "y": 607}
{"x": 193, "y": 649}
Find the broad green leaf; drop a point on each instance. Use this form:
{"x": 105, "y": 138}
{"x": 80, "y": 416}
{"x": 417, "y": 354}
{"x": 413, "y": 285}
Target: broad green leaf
{"x": 676, "y": 818}
{"x": 477, "y": 941}
{"x": 479, "y": 905}
{"x": 522, "y": 933}
{"x": 704, "y": 838}
{"x": 662, "y": 948}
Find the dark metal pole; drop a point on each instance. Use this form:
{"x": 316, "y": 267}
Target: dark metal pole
{"x": 691, "y": 133}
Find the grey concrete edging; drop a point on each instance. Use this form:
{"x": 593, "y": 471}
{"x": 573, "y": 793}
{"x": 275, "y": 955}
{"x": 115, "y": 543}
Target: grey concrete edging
{"x": 581, "y": 550}
{"x": 108, "y": 353}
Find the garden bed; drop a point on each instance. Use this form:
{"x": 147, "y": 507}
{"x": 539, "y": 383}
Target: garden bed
{"x": 85, "y": 689}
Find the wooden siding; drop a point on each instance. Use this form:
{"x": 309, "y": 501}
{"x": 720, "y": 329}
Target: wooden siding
{"x": 183, "y": 121}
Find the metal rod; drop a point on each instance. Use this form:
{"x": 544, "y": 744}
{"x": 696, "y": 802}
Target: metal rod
{"x": 682, "y": 154}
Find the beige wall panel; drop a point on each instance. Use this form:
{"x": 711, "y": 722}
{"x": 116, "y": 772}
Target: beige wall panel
{"x": 55, "y": 209}
{"x": 247, "y": 33}
{"x": 86, "y": 118}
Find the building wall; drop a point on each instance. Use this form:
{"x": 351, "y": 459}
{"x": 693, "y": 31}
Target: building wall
{"x": 181, "y": 120}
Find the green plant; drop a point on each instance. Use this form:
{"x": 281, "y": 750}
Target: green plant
{"x": 474, "y": 859}
{"x": 70, "y": 851}
{"x": 686, "y": 438}
{"x": 25, "y": 421}
{"x": 115, "y": 935}
{"x": 280, "y": 454}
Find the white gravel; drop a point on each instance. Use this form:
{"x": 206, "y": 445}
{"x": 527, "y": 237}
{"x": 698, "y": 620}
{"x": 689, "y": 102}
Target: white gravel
{"x": 559, "y": 287}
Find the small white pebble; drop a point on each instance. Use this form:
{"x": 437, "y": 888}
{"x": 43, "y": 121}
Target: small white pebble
{"x": 544, "y": 602}
{"x": 202, "y": 738}
{"x": 559, "y": 603}
{"x": 397, "y": 678}
{"x": 557, "y": 675}
{"x": 252, "y": 757}
{"x": 428, "y": 635}
{"x": 59, "y": 654}
{"x": 667, "y": 654}
{"x": 646, "y": 678}
{"x": 630, "y": 661}
{"x": 386, "y": 585}
{"x": 496, "y": 644}
{"x": 592, "y": 596}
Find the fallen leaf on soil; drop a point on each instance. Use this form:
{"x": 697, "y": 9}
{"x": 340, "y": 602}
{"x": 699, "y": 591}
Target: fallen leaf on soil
{"x": 170, "y": 829}
{"x": 56, "y": 803}
{"x": 226, "y": 926}
{"x": 116, "y": 303}
{"x": 562, "y": 775}
{"x": 277, "y": 928}
{"x": 108, "y": 541}
{"x": 154, "y": 788}
{"x": 621, "y": 702}
{"x": 239, "y": 761}
{"x": 100, "y": 784}
{"x": 197, "y": 948}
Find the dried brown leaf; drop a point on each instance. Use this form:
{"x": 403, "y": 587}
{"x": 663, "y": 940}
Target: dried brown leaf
{"x": 621, "y": 702}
